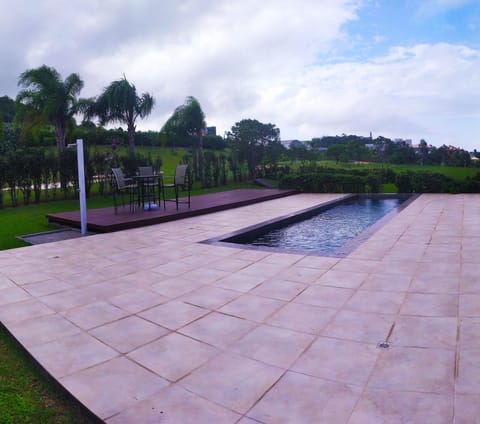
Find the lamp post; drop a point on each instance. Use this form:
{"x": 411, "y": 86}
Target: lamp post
{"x": 81, "y": 185}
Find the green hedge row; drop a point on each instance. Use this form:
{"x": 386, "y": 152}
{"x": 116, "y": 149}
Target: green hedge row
{"x": 370, "y": 181}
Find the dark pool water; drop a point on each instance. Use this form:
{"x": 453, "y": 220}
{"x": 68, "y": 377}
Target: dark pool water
{"x": 331, "y": 229}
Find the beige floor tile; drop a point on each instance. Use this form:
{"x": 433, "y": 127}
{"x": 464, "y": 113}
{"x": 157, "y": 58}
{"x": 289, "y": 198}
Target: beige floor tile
{"x": 46, "y": 287}
{"x": 175, "y": 287}
{"x": 173, "y": 314}
{"x": 128, "y": 333}
{"x": 433, "y": 332}
{"x": 303, "y": 318}
{"x": 71, "y": 354}
{"x": 263, "y": 268}
{"x": 70, "y": 299}
{"x": 137, "y": 300}
{"x": 356, "y": 266}
{"x": 318, "y": 262}
{"x": 175, "y": 405}
{"x": 405, "y": 268}
{"x": 253, "y": 308}
{"x": 414, "y": 369}
{"x": 279, "y": 289}
{"x": 379, "y": 406}
{"x": 210, "y": 297}
{"x": 6, "y": 283}
{"x": 229, "y": 264}
{"x": 387, "y": 282}
{"x": 339, "y": 360}
{"x": 12, "y": 295}
{"x": 232, "y": 381}
{"x": 425, "y": 283}
{"x": 26, "y": 309}
{"x": 380, "y": 302}
{"x": 469, "y": 333}
{"x": 205, "y": 275}
{"x": 218, "y": 329}
{"x": 425, "y": 304}
{"x": 43, "y": 329}
{"x": 114, "y": 390}
{"x": 467, "y": 409}
{"x": 359, "y": 326}
{"x": 469, "y": 305}
{"x": 299, "y": 398}
{"x": 173, "y": 356}
{"x": 318, "y": 295}
{"x": 339, "y": 278}
{"x": 94, "y": 314}
{"x": 300, "y": 274}
{"x": 240, "y": 282}
{"x": 468, "y": 371}
{"x": 272, "y": 345}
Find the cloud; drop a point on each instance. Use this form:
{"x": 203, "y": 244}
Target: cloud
{"x": 241, "y": 60}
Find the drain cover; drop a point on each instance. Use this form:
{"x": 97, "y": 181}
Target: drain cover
{"x": 383, "y": 345}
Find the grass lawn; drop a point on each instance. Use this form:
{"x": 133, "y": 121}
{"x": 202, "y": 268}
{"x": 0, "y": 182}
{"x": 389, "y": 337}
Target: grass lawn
{"x": 32, "y": 219}
{"x": 26, "y": 395}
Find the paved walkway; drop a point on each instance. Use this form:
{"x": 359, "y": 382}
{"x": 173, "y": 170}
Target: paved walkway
{"x": 148, "y": 325}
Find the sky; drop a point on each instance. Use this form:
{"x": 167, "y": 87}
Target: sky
{"x": 399, "y": 69}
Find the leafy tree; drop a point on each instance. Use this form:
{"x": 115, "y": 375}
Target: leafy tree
{"x": 252, "y": 141}
{"x": 7, "y": 109}
{"x": 188, "y": 120}
{"x": 119, "y": 102}
{"x": 337, "y": 151}
{"x": 47, "y": 99}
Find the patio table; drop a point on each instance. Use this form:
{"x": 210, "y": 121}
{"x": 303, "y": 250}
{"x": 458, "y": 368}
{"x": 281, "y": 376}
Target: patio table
{"x": 148, "y": 188}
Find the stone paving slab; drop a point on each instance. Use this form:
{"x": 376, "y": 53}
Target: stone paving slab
{"x": 149, "y": 325}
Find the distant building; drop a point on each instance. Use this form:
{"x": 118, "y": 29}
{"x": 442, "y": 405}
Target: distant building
{"x": 293, "y": 143}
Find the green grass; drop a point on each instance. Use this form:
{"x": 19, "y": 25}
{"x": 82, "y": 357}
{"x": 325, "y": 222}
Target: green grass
{"x": 26, "y": 395}
{"x": 32, "y": 219}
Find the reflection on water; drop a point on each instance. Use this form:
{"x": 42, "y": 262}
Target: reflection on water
{"x": 330, "y": 230}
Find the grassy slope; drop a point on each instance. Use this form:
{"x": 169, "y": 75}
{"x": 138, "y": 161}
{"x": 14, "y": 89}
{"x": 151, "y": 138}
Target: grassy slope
{"x": 26, "y": 396}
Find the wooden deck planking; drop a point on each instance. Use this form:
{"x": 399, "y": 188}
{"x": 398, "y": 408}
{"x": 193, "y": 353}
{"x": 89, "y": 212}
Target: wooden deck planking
{"x": 105, "y": 220}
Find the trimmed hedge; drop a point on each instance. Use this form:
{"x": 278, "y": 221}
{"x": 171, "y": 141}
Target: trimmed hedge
{"x": 369, "y": 181}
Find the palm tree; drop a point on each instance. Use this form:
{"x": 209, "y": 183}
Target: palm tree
{"x": 46, "y": 99}
{"x": 189, "y": 120}
{"x": 119, "y": 102}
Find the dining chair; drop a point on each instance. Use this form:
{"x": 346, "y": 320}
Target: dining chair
{"x": 124, "y": 185}
{"x": 181, "y": 180}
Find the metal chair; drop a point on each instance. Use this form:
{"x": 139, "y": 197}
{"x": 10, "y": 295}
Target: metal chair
{"x": 181, "y": 180}
{"x": 124, "y": 185}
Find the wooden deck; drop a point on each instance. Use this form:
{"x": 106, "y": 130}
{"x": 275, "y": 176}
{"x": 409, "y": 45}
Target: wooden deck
{"x": 105, "y": 220}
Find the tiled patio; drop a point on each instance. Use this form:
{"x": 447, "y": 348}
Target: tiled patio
{"x": 149, "y": 325}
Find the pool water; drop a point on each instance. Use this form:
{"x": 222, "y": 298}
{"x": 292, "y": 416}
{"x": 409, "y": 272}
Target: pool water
{"x": 328, "y": 231}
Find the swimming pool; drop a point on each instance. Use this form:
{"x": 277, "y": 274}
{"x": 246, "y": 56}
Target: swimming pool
{"x": 332, "y": 229}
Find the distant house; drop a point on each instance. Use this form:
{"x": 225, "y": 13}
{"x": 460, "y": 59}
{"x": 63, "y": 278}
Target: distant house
{"x": 211, "y": 131}
{"x": 293, "y": 143}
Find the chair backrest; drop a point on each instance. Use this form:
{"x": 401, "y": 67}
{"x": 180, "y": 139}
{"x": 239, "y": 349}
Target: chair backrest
{"x": 145, "y": 170}
{"x": 119, "y": 177}
{"x": 181, "y": 174}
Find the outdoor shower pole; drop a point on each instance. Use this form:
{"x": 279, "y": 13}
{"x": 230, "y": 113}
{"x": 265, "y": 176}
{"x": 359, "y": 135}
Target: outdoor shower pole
{"x": 81, "y": 183}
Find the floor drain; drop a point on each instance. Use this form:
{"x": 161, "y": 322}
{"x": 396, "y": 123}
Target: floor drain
{"x": 383, "y": 345}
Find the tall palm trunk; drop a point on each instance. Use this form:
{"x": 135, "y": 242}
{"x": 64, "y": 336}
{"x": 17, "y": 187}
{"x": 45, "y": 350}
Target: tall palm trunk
{"x": 131, "y": 139}
{"x": 60, "y": 136}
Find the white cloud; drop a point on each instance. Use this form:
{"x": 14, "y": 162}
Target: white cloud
{"x": 250, "y": 60}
